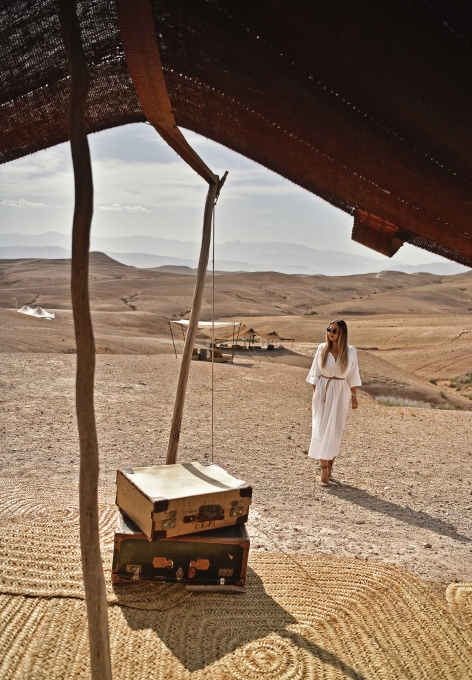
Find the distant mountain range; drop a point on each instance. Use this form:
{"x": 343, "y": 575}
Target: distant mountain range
{"x": 152, "y": 252}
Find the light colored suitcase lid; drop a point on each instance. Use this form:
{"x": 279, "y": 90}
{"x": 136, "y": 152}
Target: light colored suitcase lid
{"x": 181, "y": 480}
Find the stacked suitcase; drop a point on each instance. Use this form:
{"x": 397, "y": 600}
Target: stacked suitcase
{"x": 182, "y": 523}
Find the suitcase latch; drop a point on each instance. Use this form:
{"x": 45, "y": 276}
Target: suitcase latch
{"x": 225, "y": 572}
{"x": 169, "y": 523}
{"x": 206, "y": 513}
{"x": 179, "y": 574}
{"x": 236, "y": 509}
{"x": 134, "y": 569}
{"x": 162, "y": 563}
{"x": 197, "y": 565}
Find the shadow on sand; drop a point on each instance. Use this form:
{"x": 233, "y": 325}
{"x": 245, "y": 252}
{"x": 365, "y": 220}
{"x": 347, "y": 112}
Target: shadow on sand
{"x": 416, "y": 518}
{"x": 207, "y": 627}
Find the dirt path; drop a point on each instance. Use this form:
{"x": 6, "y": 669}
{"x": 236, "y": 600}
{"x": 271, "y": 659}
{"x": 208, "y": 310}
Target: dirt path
{"x": 404, "y": 488}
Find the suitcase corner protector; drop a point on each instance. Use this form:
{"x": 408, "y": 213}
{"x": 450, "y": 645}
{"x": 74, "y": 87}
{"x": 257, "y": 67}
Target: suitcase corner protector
{"x": 157, "y": 534}
{"x": 160, "y": 503}
{"x": 245, "y": 491}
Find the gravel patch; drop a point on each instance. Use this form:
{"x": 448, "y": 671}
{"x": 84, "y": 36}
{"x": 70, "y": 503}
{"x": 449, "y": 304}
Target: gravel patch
{"x": 403, "y": 488}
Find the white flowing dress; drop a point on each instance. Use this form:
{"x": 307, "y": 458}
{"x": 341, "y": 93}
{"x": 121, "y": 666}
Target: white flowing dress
{"x": 331, "y": 402}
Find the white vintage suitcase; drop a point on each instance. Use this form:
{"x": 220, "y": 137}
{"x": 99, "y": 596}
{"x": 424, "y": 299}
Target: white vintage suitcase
{"x": 185, "y": 498}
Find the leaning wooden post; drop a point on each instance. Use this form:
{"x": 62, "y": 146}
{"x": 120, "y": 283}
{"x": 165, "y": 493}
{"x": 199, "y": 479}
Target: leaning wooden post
{"x": 192, "y": 327}
{"x": 94, "y": 582}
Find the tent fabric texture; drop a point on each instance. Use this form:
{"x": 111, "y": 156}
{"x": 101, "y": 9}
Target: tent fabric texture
{"x": 364, "y": 104}
{"x": 206, "y": 324}
{"x": 273, "y": 336}
{"x": 38, "y": 312}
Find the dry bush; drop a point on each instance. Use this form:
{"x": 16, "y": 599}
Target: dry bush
{"x": 461, "y": 381}
{"x": 399, "y": 401}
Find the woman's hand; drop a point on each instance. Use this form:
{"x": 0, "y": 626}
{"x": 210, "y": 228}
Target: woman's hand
{"x": 354, "y": 401}
{"x": 314, "y": 388}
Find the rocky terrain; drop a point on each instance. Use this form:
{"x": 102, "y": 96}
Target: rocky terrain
{"x": 403, "y": 487}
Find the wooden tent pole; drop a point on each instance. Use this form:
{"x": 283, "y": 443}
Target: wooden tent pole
{"x": 172, "y": 334}
{"x": 192, "y": 327}
{"x": 94, "y": 582}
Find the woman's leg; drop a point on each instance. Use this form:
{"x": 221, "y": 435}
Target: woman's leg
{"x": 330, "y": 467}
{"x": 324, "y": 473}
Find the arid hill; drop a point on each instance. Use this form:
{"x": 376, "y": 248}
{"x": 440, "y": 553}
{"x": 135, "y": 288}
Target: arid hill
{"x": 409, "y": 329}
{"x": 117, "y": 287}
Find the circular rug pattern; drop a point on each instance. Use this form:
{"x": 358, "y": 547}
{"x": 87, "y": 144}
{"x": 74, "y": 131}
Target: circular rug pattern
{"x": 303, "y": 617}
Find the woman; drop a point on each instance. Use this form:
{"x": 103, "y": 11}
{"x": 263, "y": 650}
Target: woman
{"x": 334, "y": 375}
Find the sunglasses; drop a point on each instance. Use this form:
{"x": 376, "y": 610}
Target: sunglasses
{"x": 332, "y": 330}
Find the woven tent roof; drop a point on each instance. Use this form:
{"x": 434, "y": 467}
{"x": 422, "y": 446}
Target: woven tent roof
{"x": 365, "y": 104}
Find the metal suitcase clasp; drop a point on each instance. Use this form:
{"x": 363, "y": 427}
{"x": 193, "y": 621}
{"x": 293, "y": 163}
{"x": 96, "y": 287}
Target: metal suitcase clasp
{"x": 134, "y": 569}
{"x": 206, "y": 513}
{"x": 197, "y": 565}
{"x": 162, "y": 563}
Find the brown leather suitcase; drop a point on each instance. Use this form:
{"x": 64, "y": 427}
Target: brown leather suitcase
{"x": 212, "y": 558}
{"x": 180, "y": 499}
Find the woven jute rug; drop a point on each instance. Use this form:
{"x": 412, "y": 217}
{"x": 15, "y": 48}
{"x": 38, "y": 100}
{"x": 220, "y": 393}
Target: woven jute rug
{"x": 302, "y": 616}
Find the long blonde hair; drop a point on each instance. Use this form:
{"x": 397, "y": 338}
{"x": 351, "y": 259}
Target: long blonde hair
{"x": 343, "y": 356}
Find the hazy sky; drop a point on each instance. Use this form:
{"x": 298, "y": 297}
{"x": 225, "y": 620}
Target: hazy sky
{"x": 143, "y": 187}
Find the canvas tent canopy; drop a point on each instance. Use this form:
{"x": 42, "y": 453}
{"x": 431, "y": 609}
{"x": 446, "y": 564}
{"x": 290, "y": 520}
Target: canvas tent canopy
{"x": 206, "y": 324}
{"x": 274, "y": 336}
{"x": 240, "y": 331}
{"x": 222, "y": 330}
{"x": 365, "y": 104}
{"x": 38, "y": 312}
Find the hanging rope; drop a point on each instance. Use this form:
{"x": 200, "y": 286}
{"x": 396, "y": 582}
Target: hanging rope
{"x": 213, "y": 339}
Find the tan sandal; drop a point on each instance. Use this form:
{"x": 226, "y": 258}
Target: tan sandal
{"x": 324, "y": 482}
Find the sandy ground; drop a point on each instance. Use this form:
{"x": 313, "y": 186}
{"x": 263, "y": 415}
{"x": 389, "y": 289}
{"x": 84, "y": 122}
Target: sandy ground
{"x": 403, "y": 490}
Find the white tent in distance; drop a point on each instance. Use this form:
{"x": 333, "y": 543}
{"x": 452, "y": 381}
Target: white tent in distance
{"x": 39, "y": 312}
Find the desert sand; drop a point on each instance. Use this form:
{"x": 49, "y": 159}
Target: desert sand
{"x": 403, "y": 489}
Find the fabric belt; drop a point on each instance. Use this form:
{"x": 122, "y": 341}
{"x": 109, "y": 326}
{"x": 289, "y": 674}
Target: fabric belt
{"x": 333, "y": 377}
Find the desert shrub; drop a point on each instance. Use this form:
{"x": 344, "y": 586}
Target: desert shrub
{"x": 310, "y": 313}
{"x": 460, "y": 381}
{"x": 433, "y": 381}
{"x": 400, "y": 401}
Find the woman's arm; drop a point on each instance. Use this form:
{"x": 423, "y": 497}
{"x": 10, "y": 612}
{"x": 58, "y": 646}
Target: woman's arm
{"x": 354, "y": 402}
{"x": 315, "y": 371}
{"x": 353, "y": 378}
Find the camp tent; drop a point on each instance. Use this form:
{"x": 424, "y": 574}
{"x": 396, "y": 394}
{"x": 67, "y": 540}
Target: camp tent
{"x": 364, "y": 104}
{"x": 275, "y": 337}
{"x": 205, "y": 328}
{"x": 223, "y": 330}
{"x": 38, "y": 312}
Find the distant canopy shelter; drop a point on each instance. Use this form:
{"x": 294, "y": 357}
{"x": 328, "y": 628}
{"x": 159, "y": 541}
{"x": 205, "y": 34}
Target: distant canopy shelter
{"x": 38, "y": 312}
{"x": 273, "y": 338}
{"x": 205, "y": 328}
{"x": 231, "y": 329}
